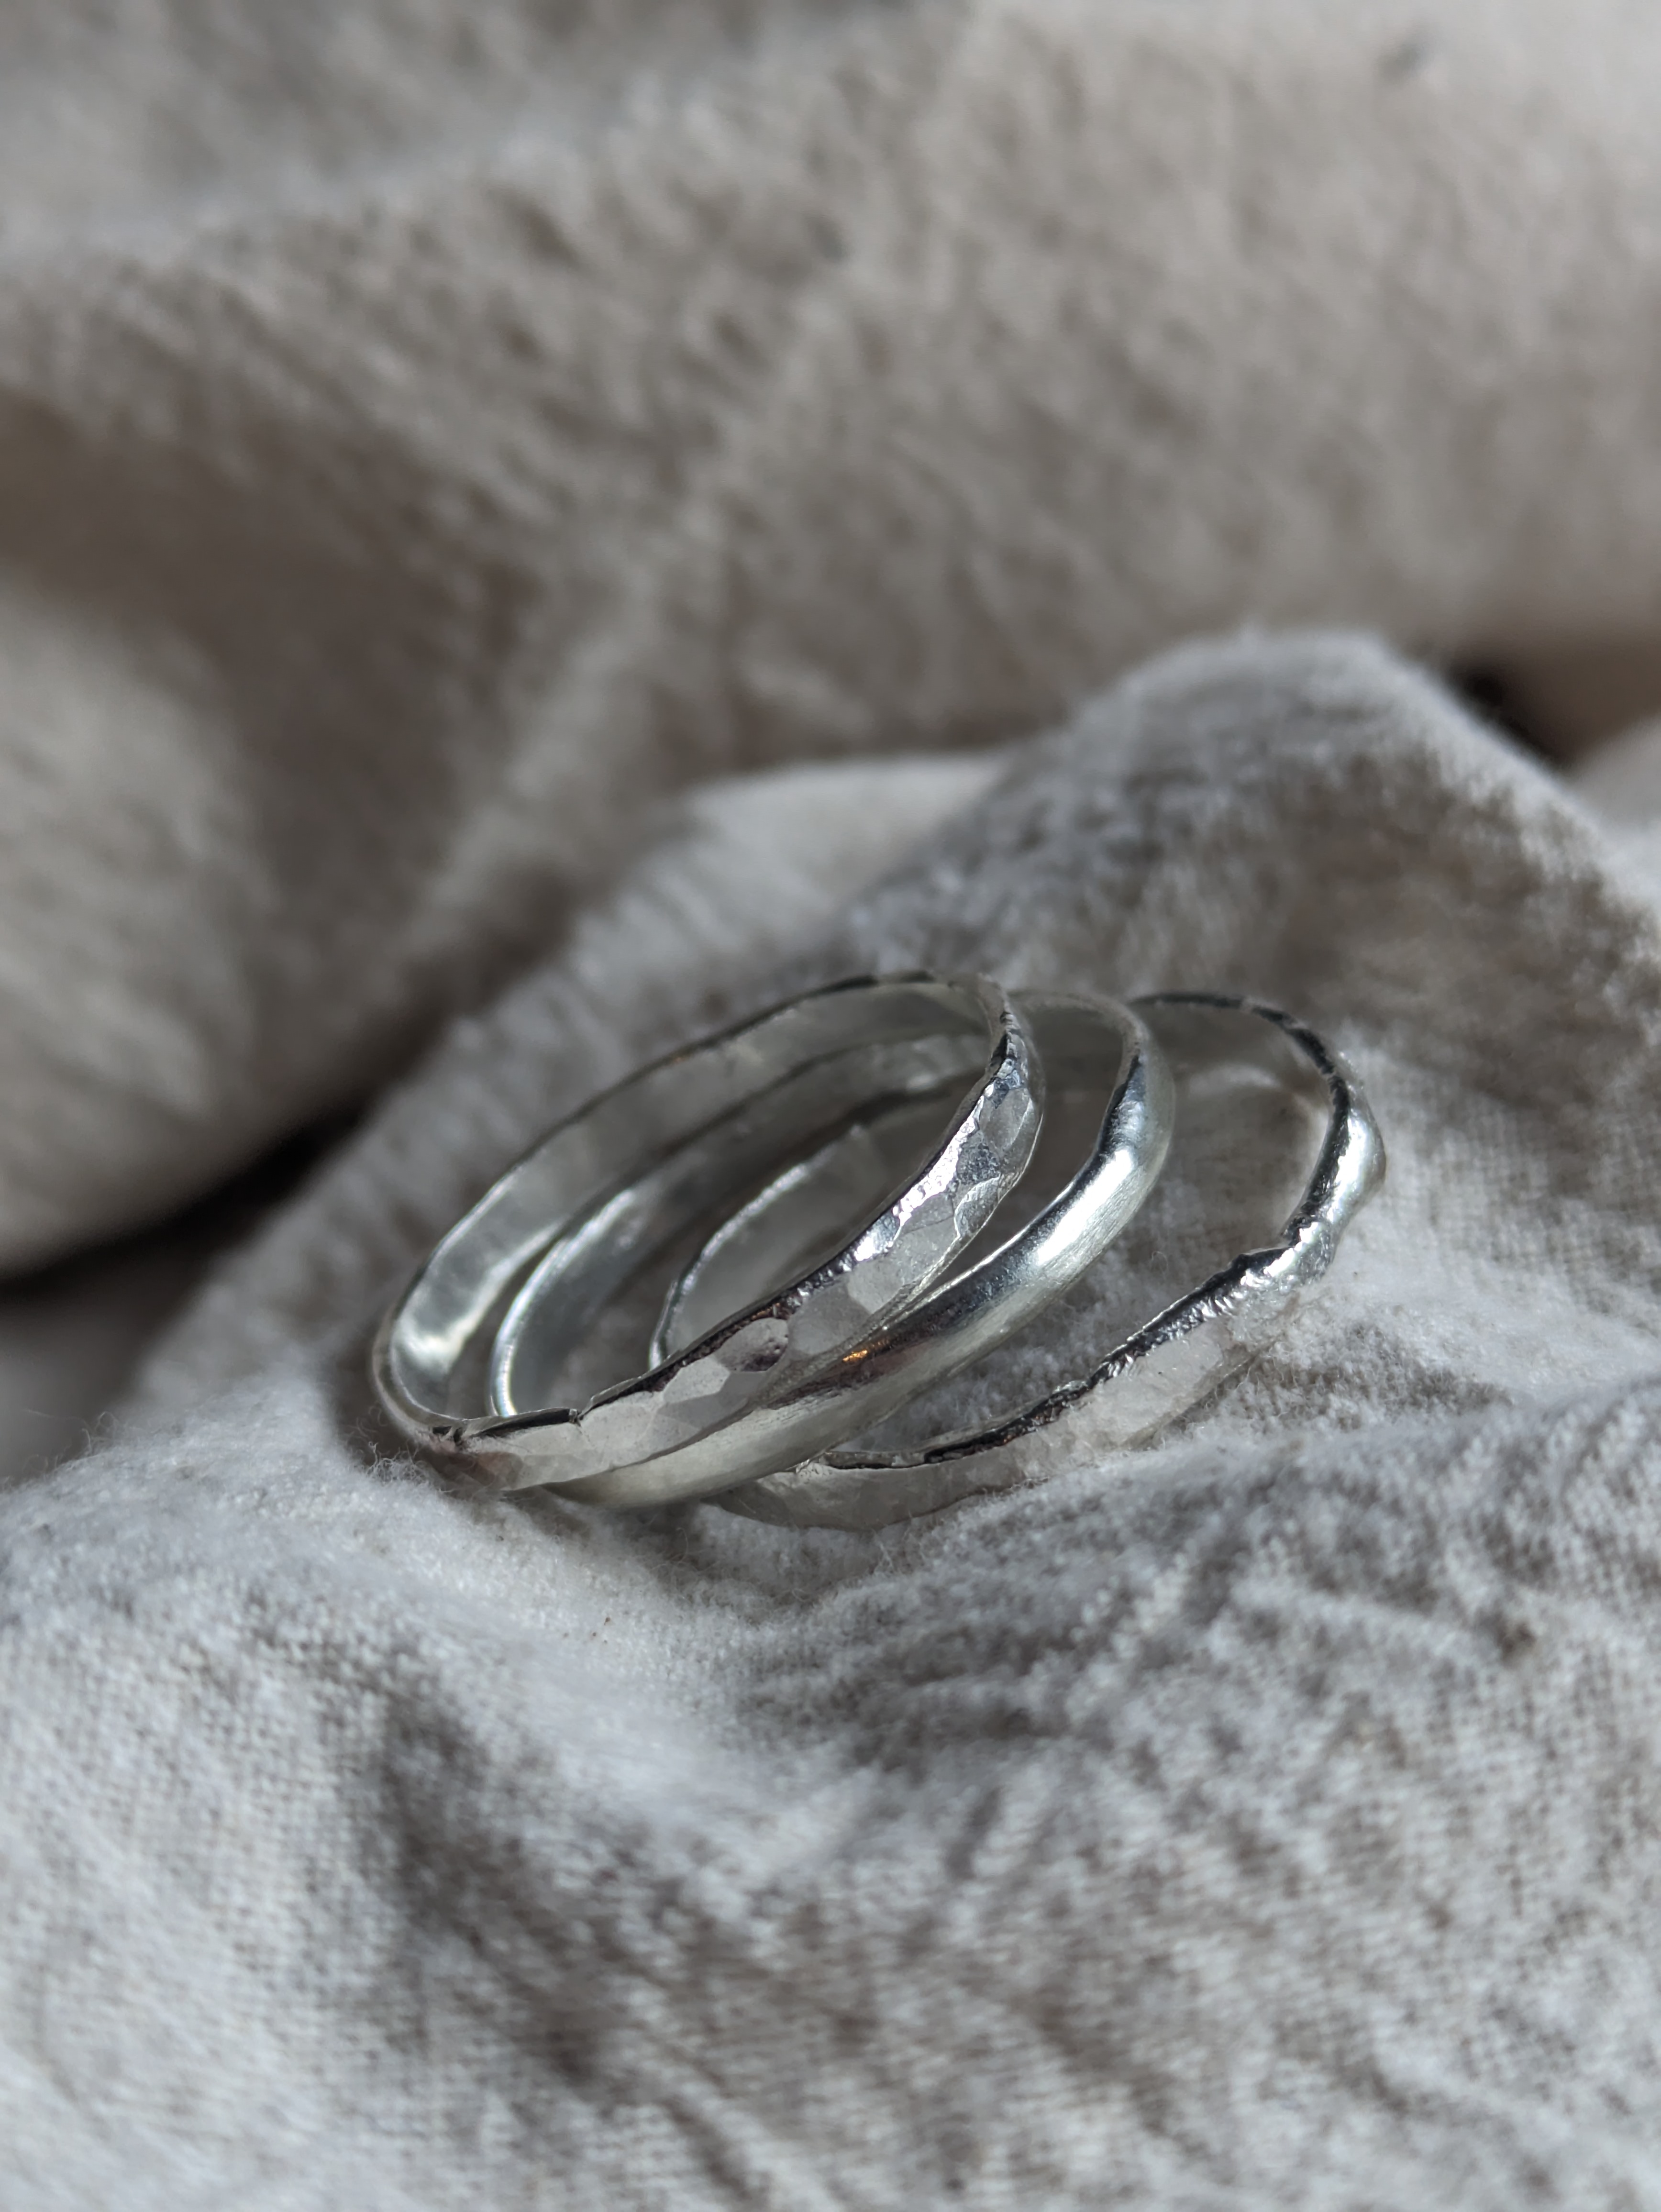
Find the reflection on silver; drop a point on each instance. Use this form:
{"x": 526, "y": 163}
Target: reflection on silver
{"x": 1179, "y": 1359}
{"x": 1090, "y": 1045}
{"x": 604, "y": 1190}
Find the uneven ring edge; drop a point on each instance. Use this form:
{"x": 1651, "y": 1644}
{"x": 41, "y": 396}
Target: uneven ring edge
{"x": 942, "y": 1330}
{"x": 431, "y": 1325}
{"x": 1176, "y": 1360}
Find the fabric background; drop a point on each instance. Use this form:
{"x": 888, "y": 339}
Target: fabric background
{"x": 428, "y": 435}
{"x": 1265, "y": 1819}
{"x": 431, "y": 442}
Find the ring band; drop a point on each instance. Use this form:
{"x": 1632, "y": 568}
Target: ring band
{"x": 784, "y": 1077}
{"x": 1176, "y": 1360}
{"x": 1092, "y": 1045}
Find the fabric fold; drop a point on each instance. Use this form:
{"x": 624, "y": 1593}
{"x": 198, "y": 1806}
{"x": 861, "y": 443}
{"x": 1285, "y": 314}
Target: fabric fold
{"x": 1261, "y": 1818}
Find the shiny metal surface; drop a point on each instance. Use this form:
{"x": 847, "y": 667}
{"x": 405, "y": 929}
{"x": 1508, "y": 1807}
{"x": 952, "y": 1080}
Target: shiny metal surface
{"x": 606, "y": 1184}
{"x": 1181, "y": 1355}
{"x": 1083, "y": 1043}
{"x": 1090, "y": 1045}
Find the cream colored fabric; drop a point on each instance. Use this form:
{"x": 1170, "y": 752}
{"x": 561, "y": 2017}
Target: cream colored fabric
{"x": 431, "y": 440}
{"x": 1266, "y": 1819}
{"x": 429, "y": 435}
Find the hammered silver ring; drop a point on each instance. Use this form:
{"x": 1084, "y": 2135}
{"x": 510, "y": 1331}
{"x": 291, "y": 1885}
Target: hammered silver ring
{"x": 790, "y": 1333}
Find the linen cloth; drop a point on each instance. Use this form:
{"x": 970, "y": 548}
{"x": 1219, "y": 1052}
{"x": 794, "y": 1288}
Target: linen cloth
{"x": 1269, "y": 1818}
{"x": 429, "y": 434}
{"x": 428, "y": 444}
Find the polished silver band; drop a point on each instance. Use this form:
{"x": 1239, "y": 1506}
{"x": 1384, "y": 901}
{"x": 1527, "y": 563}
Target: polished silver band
{"x": 602, "y": 1186}
{"x": 1091, "y": 1046}
{"x": 1177, "y": 1359}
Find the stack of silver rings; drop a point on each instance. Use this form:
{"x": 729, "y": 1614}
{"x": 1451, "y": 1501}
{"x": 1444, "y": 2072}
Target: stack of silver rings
{"x": 833, "y": 1161}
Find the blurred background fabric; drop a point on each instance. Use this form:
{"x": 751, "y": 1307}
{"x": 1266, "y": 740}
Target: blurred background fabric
{"x": 526, "y": 528}
{"x": 429, "y": 436}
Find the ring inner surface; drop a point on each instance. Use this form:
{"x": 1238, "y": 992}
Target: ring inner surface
{"x": 1251, "y": 1118}
{"x": 431, "y": 1356}
{"x": 804, "y": 1212}
{"x": 584, "y": 1322}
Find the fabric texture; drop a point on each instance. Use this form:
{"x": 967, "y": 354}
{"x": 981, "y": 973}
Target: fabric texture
{"x": 1265, "y": 1819}
{"x": 529, "y": 531}
{"x": 428, "y": 435}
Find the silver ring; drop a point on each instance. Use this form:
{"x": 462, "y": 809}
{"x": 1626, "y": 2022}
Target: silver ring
{"x": 1179, "y": 1358}
{"x": 1090, "y": 1045}
{"x": 603, "y": 1183}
